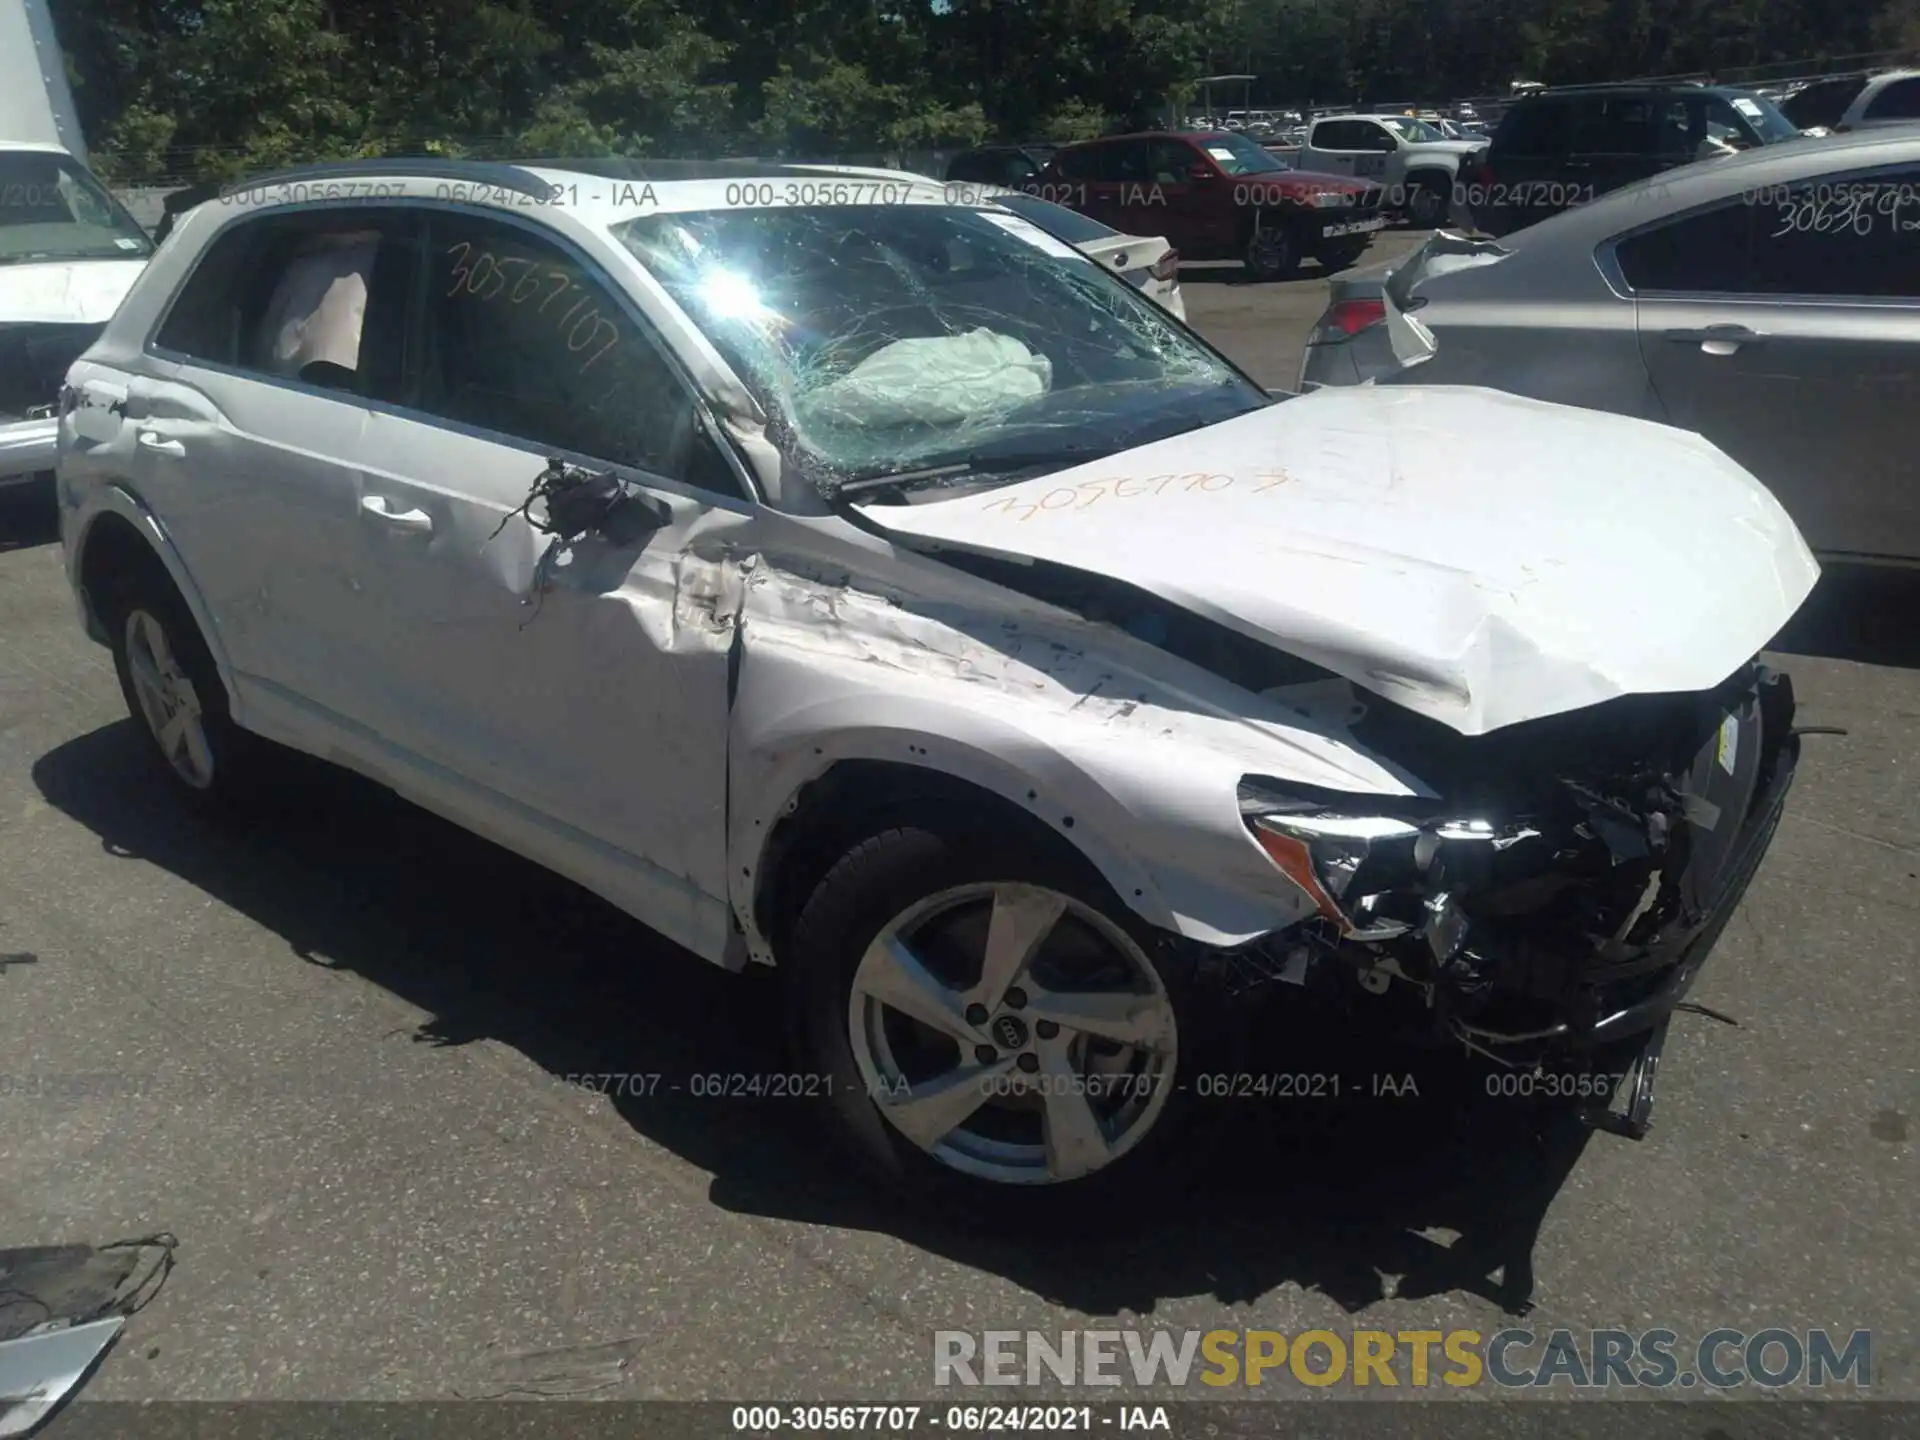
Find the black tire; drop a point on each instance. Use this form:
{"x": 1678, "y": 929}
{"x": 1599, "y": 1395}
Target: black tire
{"x": 1335, "y": 258}
{"x": 1273, "y": 250}
{"x": 885, "y": 875}
{"x": 1429, "y": 202}
{"x": 145, "y": 594}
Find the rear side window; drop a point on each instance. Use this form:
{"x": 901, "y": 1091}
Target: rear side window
{"x": 1533, "y": 128}
{"x": 1082, "y": 162}
{"x": 319, "y": 297}
{"x": 1616, "y": 125}
{"x": 1899, "y": 101}
{"x": 1704, "y": 253}
{"x": 1823, "y": 103}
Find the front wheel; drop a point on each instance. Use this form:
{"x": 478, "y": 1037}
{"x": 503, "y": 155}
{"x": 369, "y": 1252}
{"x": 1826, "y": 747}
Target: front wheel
{"x": 1427, "y": 205}
{"x": 995, "y": 1028}
{"x": 1273, "y": 252}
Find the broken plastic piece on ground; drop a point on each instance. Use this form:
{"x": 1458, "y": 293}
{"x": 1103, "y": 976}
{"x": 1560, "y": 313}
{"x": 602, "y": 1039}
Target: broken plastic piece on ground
{"x": 60, "y": 1308}
{"x": 39, "y": 1370}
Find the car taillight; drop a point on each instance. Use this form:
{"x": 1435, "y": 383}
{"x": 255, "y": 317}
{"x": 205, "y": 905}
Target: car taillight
{"x": 1167, "y": 267}
{"x": 1483, "y": 174}
{"x": 1347, "y": 318}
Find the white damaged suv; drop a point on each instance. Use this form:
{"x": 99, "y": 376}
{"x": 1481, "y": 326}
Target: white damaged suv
{"x": 848, "y": 581}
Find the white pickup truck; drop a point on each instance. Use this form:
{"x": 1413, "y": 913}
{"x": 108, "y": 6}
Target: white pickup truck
{"x": 1417, "y": 166}
{"x": 68, "y": 250}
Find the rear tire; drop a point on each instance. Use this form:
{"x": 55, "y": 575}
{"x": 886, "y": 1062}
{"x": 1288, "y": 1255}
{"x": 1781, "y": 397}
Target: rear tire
{"x": 173, "y": 691}
{"x": 1273, "y": 251}
{"x": 893, "y": 991}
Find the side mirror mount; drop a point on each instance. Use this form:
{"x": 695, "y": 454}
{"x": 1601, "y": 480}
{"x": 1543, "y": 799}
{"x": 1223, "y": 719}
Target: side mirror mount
{"x": 579, "y": 501}
{"x": 633, "y": 517}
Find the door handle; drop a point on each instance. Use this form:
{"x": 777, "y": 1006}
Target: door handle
{"x": 160, "y": 445}
{"x": 381, "y": 508}
{"x": 1717, "y": 339}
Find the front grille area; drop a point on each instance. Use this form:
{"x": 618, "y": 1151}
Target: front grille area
{"x": 34, "y": 359}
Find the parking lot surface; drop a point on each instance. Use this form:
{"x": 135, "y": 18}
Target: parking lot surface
{"x": 330, "y": 1054}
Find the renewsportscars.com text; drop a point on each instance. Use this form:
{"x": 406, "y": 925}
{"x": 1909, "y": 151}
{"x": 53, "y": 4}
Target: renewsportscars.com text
{"x": 1772, "y": 1358}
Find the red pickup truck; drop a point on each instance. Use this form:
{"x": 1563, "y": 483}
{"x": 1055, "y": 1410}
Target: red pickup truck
{"x": 1216, "y": 196}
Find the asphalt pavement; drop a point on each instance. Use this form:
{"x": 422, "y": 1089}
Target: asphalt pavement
{"x": 330, "y": 1054}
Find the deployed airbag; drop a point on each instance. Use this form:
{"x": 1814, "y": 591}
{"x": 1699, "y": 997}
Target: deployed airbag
{"x": 934, "y": 380}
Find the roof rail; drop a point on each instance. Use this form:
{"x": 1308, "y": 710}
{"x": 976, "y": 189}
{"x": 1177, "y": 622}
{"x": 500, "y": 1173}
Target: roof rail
{"x": 643, "y": 169}
{"x": 431, "y": 167}
{"x": 1619, "y": 85}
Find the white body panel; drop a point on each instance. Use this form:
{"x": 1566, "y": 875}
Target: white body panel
{"x": 644, "y": 726}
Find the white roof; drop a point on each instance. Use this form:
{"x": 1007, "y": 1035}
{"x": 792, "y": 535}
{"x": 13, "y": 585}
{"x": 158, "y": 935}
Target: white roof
{"x": 36, "y": 107}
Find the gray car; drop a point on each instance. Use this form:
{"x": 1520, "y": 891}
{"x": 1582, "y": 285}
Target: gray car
{"x": 1769, "y": 302}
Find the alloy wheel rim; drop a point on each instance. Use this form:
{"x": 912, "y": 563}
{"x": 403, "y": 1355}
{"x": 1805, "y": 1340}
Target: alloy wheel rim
{"x": 1013, "y": 1033}
{"x": 168, "y": 702}
{"x": 1270, "y": 250}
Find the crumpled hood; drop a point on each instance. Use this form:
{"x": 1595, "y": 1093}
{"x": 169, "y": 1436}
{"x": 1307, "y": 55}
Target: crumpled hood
{"x": 1476, "y": 557}
{"x": 66, "y": 292}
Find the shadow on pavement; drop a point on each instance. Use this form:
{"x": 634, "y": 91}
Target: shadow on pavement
{"x": 28, "y": 516}
{"x": 1329, "y": 1195}
{"x": 1865, "y": 613}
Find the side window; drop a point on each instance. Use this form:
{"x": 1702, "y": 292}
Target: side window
{"x": 1721, "y": 121}
{"x": 1371, "y": 135}
{"x": 1898, "y": 101}
{"x": 1675, "y": 130}
{"x": 315, "y": 296}
{"x": 1534, "y": 128}
{"x": 1854, "y": 237}
{"x": 1170, "y": 162}
{"x": 1126, "y": 161}
{"x": 1013, "y": 170}
{"x": 1825, "y": 102}
{"x": 520, "y": 338}
{"x": 1703, "y": 253}
{"x": 1080, "y": 163}
{"x": 1334, "y": 135}
{"x": 1614, "y": 125}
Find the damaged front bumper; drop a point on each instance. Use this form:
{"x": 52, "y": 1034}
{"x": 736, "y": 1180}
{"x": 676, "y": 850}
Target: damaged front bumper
{"x": 1555, "y": 930}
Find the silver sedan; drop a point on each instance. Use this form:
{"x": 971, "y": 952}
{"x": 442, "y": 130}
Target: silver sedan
{"x": 1770, "y": 302}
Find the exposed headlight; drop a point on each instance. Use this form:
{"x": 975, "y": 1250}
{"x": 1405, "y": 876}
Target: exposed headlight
{"x": 1347, "y": 860}
{"x": 1329, "y": 200}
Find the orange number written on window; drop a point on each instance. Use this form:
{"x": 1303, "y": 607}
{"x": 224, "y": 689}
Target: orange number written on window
{"x": 481, "y": 274}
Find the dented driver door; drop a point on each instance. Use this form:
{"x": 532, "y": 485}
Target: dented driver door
{"x": 574, "y": 694}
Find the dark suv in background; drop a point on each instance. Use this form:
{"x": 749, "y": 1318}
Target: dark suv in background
{"x": 1011, "y": 166}
{"x": 1216, "y": 196}
{"x": 1559, "y": 148}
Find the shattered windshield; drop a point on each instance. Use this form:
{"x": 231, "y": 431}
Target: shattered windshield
{"x": 52, "y": 209}
{"x": 892, "y": 340}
